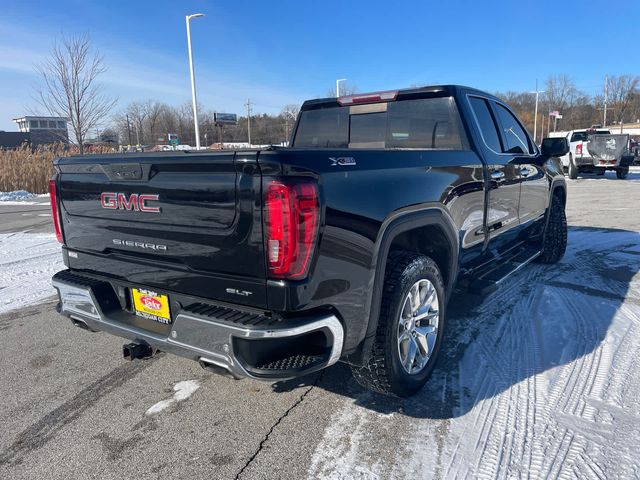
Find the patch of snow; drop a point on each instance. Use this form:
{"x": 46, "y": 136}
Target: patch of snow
{"x": 183, "y": 391}
{"x": 16, "y": 196}
{"x": 22, "y": 203}
{"x": 542, "y": 382}
{"x": 22, "y": 197}
{"x": 27, "y": 263}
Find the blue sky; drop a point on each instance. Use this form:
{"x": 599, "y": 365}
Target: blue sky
{"x": 279, "y": 52}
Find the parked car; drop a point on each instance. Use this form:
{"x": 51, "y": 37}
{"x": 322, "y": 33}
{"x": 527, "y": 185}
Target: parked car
{"x": 275, "y": 263}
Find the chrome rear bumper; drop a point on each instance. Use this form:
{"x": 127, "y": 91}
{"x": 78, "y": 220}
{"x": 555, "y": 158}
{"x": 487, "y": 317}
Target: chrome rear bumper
{"x": 282, "y": 346}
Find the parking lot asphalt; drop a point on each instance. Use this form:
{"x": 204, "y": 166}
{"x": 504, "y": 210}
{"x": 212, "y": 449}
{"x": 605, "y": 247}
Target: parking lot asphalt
{"x": 71, "y": 407}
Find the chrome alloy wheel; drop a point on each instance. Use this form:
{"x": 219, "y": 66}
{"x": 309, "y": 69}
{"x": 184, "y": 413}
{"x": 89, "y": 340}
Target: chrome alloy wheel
{"x": 418, "y": 326}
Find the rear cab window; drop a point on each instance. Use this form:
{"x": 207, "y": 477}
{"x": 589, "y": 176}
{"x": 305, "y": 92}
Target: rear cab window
{"x": 422, "y": 123}
{"x": 584, "y": 136}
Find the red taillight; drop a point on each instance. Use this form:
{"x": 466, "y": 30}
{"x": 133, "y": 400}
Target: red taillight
{"x": 579, "y": 149}
{"x": 53, "y": 195}
{"x": 376, "y": 97}
{"x": 291, "y": 227}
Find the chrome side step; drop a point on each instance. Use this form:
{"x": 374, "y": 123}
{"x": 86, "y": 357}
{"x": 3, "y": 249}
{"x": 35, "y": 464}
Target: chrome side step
{"x": 488, "y": 280}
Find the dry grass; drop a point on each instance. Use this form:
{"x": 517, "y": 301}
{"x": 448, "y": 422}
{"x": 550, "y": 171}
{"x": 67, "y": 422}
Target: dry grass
{"x": 24, "y": 169}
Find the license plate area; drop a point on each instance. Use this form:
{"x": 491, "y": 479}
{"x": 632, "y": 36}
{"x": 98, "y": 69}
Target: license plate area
{"x": 151, "y": 305}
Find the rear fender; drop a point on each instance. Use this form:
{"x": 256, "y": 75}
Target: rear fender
{"x": 397, "y": 224}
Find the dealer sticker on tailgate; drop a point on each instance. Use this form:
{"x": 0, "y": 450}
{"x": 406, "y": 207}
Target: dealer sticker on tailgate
{"x": 151, "y": 305}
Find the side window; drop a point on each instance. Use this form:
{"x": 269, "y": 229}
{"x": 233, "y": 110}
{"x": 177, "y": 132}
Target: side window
{"x": 579, "y": 137}
{"x": 514, "y": 137}
{"x": 486, "y": 123}
{"x": 425, "y": 123}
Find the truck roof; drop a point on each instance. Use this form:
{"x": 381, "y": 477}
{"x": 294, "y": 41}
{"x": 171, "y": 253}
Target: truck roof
{"x": 427, "y": 90}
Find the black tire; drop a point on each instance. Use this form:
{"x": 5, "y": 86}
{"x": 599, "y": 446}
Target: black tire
{"x": 384, "y": 373}
{"x": 573, "y": 170}
{"x": 554, "y": 240}
{"x": 622, "y": 173}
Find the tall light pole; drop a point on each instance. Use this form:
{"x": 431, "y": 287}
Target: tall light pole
{"x": 248, "y": 105}
{"x": 606, "y": 95}
{"x": 193, "y": 78}
{"x": 535, "y": 115}
{"x": 338, "y": 85}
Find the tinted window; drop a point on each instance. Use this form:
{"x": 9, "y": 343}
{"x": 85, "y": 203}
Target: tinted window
{"x": 425, "y": 123}
{"x": 421, "y": 123}
{"x": 486, "y": 123}
{"x": 513, "y": 135}
{"x": 579, "y": 137}
{"x": 584, "y": 136}
{"x": 323, "y": 128}
{"x": 368, "y": 130}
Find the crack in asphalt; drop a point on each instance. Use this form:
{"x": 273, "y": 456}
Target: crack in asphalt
{"x": 44, "y": 430}
{"x": 277, "y": 422}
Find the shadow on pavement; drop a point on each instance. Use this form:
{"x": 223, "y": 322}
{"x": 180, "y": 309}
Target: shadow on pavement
{"x": 542, "y": 318}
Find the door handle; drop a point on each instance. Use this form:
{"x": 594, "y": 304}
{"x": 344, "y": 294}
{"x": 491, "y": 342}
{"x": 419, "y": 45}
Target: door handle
{"x": 525, "y": 172}
{"x": 497, "y": 175}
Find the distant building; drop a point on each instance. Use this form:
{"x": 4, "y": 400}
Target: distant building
{"x": 13, "y": 140}
{"x": 44, "y": 130}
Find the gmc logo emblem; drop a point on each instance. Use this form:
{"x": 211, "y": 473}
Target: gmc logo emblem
{"x": 135, "y": 202}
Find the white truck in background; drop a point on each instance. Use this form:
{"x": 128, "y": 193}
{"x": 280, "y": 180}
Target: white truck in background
{"x": 596, "y": 150}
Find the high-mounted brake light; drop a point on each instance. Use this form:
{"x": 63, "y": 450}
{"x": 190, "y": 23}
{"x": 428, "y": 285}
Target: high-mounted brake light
{"x": 375, "y": 97}
{"x": 291, "y": 227}
{"x": 53, "y": 195}
{"x": 579, "y": 149}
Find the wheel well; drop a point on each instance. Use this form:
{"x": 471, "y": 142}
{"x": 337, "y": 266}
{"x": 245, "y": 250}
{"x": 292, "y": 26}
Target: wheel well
{"x": 429, "y": 240}
{"x": 561, "y": 194}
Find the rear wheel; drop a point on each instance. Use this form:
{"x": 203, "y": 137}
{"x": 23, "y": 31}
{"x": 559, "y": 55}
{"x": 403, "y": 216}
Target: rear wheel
{"x": 410, "y": 327}
{"x": 573, "y": 170}
{"x": 622, "y": 173}
{"x": 554, "y": 241}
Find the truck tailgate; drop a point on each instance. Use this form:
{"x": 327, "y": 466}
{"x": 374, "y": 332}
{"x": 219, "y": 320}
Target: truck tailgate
{"x": 184, "y": 222}
{"x": 607, "y": 147}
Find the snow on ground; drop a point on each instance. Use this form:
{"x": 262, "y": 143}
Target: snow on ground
{"x": 539, "y": 380}
{"x": 27, "y": 263}
{"x": 21, "y": 197}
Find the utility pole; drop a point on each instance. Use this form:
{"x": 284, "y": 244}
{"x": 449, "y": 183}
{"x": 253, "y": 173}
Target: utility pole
{"x": 248, "y": 105}
{"x": 193, "y": 78}
{"x": 286, "y": 129}
{"x": 338, "y": 85}
{"x": 129, "y": 129}
{"x": 606, "y": 94}
{"x": 535, "y": 115}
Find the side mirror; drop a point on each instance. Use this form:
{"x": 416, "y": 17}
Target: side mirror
{"x": 555, "y": 147}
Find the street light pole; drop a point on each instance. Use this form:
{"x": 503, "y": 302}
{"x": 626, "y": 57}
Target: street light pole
{"x": 338, "y": 85}
{"x": 535, "y": 115}
{"x": 193, "y": 78}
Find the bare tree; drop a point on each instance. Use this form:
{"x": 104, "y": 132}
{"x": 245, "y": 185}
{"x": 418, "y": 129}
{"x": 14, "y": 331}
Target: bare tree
{"x": 345, "y": 89}
{"x": 289, "y": 116}
{"x": 561, "y": 92}
{"x": 70, "y": 88}
{"x": 622, "y": 91}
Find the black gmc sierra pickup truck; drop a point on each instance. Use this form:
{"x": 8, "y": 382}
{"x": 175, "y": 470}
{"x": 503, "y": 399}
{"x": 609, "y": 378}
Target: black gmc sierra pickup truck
{"x": 346, "y": 245}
